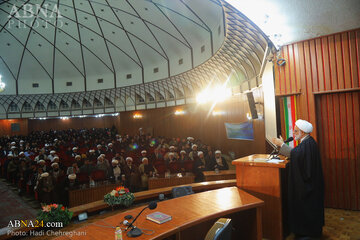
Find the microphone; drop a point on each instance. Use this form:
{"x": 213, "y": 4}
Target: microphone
{"x": 136, "y": 232}
{"x": 273, "y": 154}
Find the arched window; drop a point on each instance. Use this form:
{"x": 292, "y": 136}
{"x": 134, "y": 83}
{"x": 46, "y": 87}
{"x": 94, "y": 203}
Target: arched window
{"x": 27, "y": 107}
{"x": 86, "y": 104}
{"x": 13, "y": 107}
{"x": 39, "y": 107}
{"x": 52, "y": 106}
{"x": 64, "y": 105}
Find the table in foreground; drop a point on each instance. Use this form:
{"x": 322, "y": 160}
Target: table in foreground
{"x": 192, "y": 217}
{"x": 221, "y": 175}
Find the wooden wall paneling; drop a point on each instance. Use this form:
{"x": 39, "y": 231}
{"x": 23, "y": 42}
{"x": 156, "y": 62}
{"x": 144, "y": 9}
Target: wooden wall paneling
{"x": 333, "y": 69}
{"x": 313, "y": 67}
{"x": 199, "y": 123}
{"x": 322, "y": 65}
{"x": 290, "y": 67}
{"x": 319, "y": 65}
{"x": 358, "y": 53}
{"x": 339, "y": 62}
{"x": 350, "y": 154}
{"x": 277, "y": 79}
{"x": 303, "y": 109}
{"x": 353, "y": 60}
{"x": 332, "y": 150}
{"x": 346, "y": 60}
{"x": 75, "y": 123}
{"x": 295, "y": 55}
{"x": 286, "y": 69}
{"x": 5, "y": 127}
{"x": 326, "y": 63}
{"x": 343, "y": 150}
{"x": 309, "y": 83}
{"x": 338, "y": 153}
{"x": 356, "y": 119}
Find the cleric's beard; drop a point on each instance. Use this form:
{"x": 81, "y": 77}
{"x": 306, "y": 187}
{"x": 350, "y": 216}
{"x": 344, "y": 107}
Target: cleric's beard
{"x": 297, "y": 137}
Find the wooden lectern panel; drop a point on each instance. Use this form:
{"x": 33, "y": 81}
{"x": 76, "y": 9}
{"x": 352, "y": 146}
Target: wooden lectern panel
{"x": 263, "y": 180}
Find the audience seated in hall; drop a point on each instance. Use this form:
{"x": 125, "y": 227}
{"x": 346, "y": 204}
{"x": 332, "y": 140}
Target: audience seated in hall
{"x": 49, "y": 164}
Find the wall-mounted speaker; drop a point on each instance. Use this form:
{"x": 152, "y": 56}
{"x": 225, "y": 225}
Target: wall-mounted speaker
{"x": 252, "y": 105}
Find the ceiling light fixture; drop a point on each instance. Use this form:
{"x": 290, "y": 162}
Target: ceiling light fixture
{"x": 179, "y": 112}
{"x": 137, "y": 116}
{"x": 2, "y": 85}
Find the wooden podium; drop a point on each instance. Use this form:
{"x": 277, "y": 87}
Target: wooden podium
{"x": 263, "y": 180}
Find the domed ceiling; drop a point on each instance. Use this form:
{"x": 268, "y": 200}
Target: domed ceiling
{"x": 74, "y": 57}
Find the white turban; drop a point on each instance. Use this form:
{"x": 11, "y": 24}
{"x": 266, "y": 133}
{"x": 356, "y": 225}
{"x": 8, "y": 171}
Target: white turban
{"x": 56, "y": 157}
{"x": 10, "y": 155}
{"x": 78, "y": 156}
{"x": 52, "y": 152}
{"x": 98, "y": 146}
{"x": 91, "y": 151}
{"x": 54, "y": 164}
{"x": 102, "y": 155}
{"x": 144, "y": 159}
{"x": 45, "y": 174}
{"x": 199, "y": 153}
{"x": 74, "y": 148}
{"x": 190, "y": 138}
{"x": 194, "y": 145}
{"x": 304, "y": 126}
{"x": 129, "y": 158}
{"x": 115, "y": 161}
{"x": 13, "y": 147}
{"x": 72, "y": 176}
{"x": 110, "y": 144}
{"x": 217, "y": 151}
{"x": 13, "y": 143}
{"x": 182, "y": 151}
{"x": 143, "y": 151}
{"x": 42, "y": 161}
{"x": 21, "y": 153}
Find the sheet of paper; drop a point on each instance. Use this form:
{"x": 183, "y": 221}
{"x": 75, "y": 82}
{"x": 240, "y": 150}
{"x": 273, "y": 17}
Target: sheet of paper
{"x": 275, "y": 161}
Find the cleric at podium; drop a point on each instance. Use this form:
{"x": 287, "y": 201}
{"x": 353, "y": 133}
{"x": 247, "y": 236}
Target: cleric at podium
{"x": 305, "y": 183}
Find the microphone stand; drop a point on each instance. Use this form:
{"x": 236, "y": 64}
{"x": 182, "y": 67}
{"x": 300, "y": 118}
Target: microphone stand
{"x": 135, "y": 232}
{"x": 274, "y": 153}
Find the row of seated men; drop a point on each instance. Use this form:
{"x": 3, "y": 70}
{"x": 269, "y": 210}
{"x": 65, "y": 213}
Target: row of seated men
{"x": 51, "y": 178}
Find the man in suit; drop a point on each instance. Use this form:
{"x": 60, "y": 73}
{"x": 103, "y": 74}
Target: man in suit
{"x": 305, "y": 183}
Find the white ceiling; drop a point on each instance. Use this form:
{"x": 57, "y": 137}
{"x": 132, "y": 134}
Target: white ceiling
{"x": 110, "y": 39}
{"x": 296, "y": 20}
{"x": 122, "y": 42}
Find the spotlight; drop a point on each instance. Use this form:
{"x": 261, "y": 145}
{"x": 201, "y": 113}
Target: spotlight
{"x": 215, "y": 95}
{"x": 64, "y": 118}
{"x": 179, "y": 112}
{"x": 217, "y": 113}
{"x": 137, "y": 116}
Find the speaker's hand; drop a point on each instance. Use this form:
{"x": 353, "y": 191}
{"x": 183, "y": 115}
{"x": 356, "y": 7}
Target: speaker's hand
{"x": 278, "y": 141}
